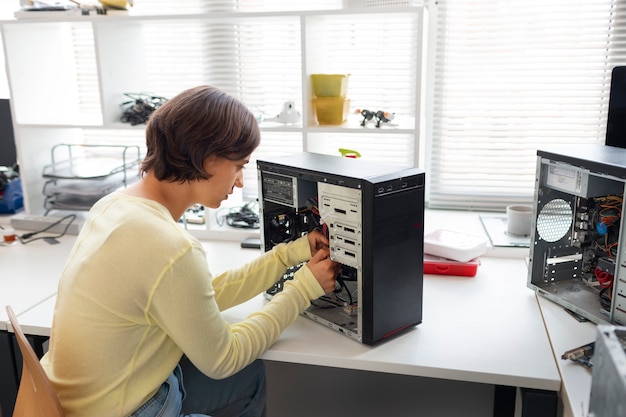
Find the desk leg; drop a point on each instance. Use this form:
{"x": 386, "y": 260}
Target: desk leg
{"x": 539, "y": 403}
{"x": 504, "y": 401}
{"x": 534, "y": 402}
{"x": 8, "y": 374}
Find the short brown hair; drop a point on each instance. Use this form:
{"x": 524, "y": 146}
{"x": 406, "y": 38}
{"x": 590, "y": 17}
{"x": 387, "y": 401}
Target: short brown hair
{"x": 198, "y": 123}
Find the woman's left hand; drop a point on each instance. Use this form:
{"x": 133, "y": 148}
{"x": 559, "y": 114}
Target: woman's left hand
{"x": 317, "y": 241}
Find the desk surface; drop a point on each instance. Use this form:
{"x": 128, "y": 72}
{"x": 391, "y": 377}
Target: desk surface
{"x": 34, "y": 296}
{"x": 567, "y": 333}
{"x": 485, "y": 329}
{"x": 29, "y": 274}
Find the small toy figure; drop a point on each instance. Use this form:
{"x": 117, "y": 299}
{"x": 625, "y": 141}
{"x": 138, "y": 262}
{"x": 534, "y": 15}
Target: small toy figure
{"x": 380, "y": 116}
{"x": 367, "y": 116}
{"x": 383, "y": 117}
{"x": 289, "y": 114}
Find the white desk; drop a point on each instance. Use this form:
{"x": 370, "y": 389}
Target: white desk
{"x": 29, "y": 274}
{"x": 484, "y": 329}
{"x": 567, "y": 333}
{"x": 37, "y": 320}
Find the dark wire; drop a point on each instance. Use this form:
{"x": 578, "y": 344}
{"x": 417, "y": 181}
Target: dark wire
{"x": 244, "y": 217}
{"x": 26, "y": 237}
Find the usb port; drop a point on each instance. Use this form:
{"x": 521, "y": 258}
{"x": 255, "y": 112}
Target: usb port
{"x": 349, "y": 229}
{"x": 353, "y": 255}
{"x": 349, "y": 242}
{"x": 340, "y": 211}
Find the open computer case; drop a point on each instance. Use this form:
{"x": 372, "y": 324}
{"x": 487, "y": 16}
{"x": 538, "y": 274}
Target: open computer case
{"x": 578, "y": 245}
{"x": 373, "y": 215}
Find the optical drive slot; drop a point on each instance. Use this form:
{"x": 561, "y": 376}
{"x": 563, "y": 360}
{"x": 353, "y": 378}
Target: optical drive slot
{"x": 345, "y": 256}
{"x": 345, "y": 228}
{"x": 347, "y": 242}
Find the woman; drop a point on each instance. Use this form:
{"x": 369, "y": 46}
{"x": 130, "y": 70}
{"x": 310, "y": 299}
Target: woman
{"x": 138, "y": 313}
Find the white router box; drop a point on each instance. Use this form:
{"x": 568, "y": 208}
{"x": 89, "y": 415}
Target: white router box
{"x": 36, "y": 223}
{"x": 461, "y": 247}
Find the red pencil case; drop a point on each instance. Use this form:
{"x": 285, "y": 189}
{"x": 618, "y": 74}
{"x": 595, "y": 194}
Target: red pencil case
{"x": 443, "y": 266}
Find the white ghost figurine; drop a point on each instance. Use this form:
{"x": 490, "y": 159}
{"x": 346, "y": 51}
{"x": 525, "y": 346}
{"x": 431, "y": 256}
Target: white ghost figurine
{"x": 288, "y": 115}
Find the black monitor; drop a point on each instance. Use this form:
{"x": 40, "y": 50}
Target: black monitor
{"x": 616, "y": 124}
{"x": 8, "y": 155}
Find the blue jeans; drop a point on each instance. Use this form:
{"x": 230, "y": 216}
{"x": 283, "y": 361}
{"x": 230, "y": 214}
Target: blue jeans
{"x": 240, "y": 395}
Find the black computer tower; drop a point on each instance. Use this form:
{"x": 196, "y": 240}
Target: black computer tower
{"x": 373, "y": 215}
{"x": 578, "y": 245}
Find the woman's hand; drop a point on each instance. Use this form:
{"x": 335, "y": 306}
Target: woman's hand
{"x": 324, "y": 269}
{"x": 317, "y": 241}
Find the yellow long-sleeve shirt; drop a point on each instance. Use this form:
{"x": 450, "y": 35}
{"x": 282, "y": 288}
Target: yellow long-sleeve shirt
{"x": 137, "y": 292}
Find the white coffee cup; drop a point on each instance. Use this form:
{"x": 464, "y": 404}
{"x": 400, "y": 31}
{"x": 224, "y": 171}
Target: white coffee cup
{"x": 519, "y": 219}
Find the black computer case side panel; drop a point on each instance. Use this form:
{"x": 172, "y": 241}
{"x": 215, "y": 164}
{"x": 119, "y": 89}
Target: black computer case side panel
{"x": 393, "y": 263}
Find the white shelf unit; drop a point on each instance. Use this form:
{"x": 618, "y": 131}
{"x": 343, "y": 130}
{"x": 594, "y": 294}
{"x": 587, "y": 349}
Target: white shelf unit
{"x": 50, "y": 106}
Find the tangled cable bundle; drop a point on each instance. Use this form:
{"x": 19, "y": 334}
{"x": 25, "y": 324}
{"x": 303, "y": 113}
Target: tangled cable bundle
{"x": 140, "y": 107}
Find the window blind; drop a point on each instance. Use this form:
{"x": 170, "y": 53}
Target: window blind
{"x": 257, "y": 61}
{"x": 507, "y": 77}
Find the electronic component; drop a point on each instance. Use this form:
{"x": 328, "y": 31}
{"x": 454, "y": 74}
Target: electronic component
{"x": 194, "y": 215}
{"x": 242, "y": 217}
{"x": 138, "y": 109}
{"x": 251, "y": 243}
{"x": 578, "y": 244}
{"x": 373, "y": 217}
{"x": 582, "y": 355}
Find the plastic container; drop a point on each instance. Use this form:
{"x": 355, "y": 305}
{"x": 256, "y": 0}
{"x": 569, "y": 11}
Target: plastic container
{"x": 436, "y": 265}
{"x": 330, "y": 85}
{"x": 461, "y": 247}
{"x": 331, "y": 110}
